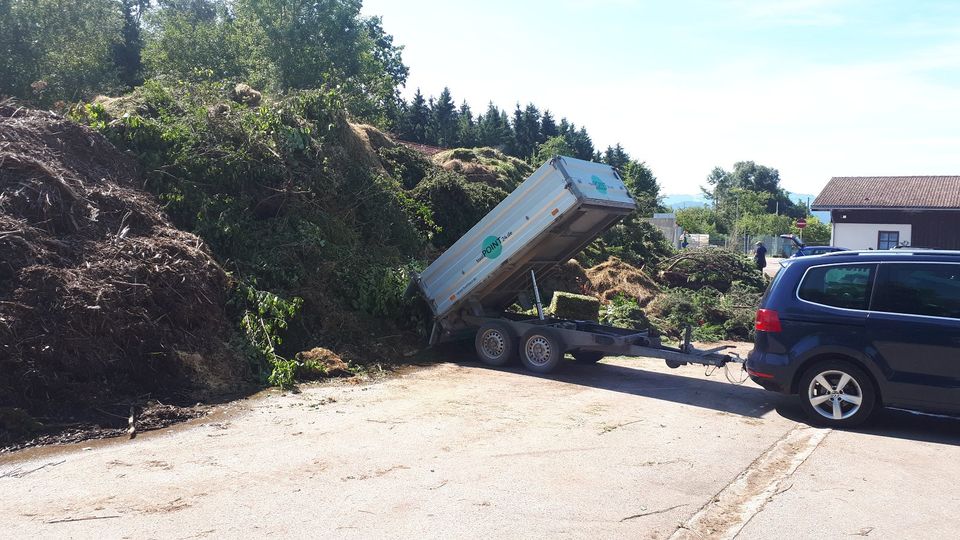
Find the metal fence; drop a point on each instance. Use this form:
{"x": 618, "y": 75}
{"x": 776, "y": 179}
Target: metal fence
{"x": 746, "y": 244}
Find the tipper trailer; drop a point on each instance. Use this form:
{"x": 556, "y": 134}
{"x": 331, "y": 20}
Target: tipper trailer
{"x": 555, "y": 213}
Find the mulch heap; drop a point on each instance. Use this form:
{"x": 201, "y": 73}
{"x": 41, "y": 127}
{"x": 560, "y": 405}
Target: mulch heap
{"x": 101, "y": 298}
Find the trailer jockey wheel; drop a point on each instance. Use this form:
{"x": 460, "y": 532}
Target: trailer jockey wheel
{"x": 540, "y": 351}
{"x": 496, "y": 345}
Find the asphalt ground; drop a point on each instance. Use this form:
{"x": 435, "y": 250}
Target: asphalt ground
{"x": 624, "y": 449}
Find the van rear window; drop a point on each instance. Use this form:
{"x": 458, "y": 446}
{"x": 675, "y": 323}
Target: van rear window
{"x": 842, "y": 286}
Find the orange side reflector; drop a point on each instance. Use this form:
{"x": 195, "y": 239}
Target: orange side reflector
{"x": 555, "y": 212}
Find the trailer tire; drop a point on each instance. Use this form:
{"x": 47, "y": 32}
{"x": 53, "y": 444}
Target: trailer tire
{"x": 496, "y": 344}
{"x": 541, "y": 350}
{"x": 588, "y": 357}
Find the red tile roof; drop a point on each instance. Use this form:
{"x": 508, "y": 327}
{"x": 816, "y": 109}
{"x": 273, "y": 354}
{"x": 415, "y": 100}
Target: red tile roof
{"x": 890, "y": 192}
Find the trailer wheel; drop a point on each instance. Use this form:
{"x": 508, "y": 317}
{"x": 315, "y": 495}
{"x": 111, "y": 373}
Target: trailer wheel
{"x": 496, "y": 344}
{"x": 540, "y": 351}
{"x": 588, "y": 357}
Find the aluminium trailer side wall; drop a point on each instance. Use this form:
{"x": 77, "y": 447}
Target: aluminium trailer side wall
{"x": 563, "y": 206}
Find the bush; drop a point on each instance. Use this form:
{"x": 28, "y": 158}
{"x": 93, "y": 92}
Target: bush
{"x": 457, "y": 204}
{"x": 574, "y": 306}
{"x": 712, "y": 315}
{"x": 624, "y": 312}
{"x": 408, "y": 166}
{"x": 289, "y": 199}
{"x": 633, "y": 241}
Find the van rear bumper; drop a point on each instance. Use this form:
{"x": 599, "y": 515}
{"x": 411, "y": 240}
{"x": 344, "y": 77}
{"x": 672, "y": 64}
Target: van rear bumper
{"x": 770, "y": 371}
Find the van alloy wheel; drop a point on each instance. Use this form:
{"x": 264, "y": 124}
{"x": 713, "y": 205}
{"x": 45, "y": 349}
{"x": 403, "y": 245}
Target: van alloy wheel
{"x": 835, "y": 395}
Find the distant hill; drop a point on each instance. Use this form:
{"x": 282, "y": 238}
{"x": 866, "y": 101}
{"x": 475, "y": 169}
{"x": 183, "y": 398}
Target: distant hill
{"x": 677, "y": 202}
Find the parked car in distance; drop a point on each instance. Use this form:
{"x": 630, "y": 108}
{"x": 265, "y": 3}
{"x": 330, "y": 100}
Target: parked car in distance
{"x": 803, "y": 250}
{"x": 808, "y": 251}
{"x": 853, "y": 331}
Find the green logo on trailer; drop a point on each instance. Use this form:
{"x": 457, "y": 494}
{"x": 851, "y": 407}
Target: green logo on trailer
{"x": 599, "y": 184}
{"x": 492, "y": 247}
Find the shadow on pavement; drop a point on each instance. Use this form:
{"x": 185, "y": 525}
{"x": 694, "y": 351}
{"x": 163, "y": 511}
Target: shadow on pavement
{"x": 894, "y": 423}
{"x": 718, "y": 395}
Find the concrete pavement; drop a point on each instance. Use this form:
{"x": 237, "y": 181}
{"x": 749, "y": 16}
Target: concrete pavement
{"x": 626, "y": 448}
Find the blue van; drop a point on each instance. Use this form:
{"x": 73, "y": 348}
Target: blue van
{"x": 853, "y": 331}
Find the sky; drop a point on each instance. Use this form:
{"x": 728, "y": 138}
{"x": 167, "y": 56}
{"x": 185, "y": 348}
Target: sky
{"x": 812, "y": 88}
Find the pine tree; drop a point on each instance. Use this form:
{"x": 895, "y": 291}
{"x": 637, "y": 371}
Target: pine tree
{"x": 467, "y": 128}
{"x": 616, "y": 157}
{"x": 127, "y": 53}
{"x": 548, "y": 127}
{"x": 417, "y": 119}
{"x": 443, "y": 116}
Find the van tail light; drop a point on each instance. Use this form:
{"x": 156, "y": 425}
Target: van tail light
{"x": 768, "y": 321}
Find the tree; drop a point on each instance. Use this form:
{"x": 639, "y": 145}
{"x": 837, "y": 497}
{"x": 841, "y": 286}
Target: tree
{"x": 554, "y": 146}
{"x": 59, "y": 49}
{"x": 127, "y": 53}
{"x": 548, "y": 127}
{"x": 492, "y": 129}
{"x": 443, "y": 120}
{"x": 417, "y": 119}
{"x": 816, "y": 232}
{"x": 752, "y": 177}
{"x": 467, "y": 129}
{"x": 616, "y": 157}
{"x": 697, "y": 220}
{"x": 643, "y": 186}
{"x": 196, "y": 40}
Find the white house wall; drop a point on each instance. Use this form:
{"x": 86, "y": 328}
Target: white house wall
{"x": 866, "y": 235}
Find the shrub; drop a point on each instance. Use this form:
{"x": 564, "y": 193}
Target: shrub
{"x": 457, "y": 205}
{"x": 624, "y": 312}
{"x": 633, "y": 241}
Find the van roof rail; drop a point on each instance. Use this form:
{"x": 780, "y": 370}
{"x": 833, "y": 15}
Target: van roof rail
{"x": 918, "y": 252}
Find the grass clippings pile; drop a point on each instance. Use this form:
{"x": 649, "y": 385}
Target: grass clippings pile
{"x": 616, "y": 278}
{"x": 100, "y": 296}
{"x": 485, "y": 165}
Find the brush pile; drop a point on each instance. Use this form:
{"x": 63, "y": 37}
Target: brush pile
{"x": 100, "y": 296}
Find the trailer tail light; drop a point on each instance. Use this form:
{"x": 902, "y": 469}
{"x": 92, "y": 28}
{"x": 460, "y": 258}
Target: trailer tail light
{"x": 768, "y": 321}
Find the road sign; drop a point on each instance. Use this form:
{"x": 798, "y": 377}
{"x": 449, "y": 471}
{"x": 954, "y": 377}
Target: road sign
{"x": 801, "y": 223}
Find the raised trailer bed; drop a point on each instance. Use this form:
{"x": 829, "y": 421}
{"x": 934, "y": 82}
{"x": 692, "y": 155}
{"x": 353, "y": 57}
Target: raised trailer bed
{"x": 556, "y": 212}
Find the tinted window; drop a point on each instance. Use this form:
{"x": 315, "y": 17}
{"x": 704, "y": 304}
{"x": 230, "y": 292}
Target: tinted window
{"x": 845, "y": 286}
{"x": 919, "y": 289}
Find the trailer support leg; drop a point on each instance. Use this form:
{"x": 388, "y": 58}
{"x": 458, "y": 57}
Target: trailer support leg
{"x": 536, "y": 295}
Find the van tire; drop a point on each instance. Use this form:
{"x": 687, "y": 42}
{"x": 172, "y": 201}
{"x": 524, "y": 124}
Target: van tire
{"x": 837, "y": 393}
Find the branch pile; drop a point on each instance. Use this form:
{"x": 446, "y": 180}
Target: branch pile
{"x": 710, "y": 267}
{"x": 100, "y": 296}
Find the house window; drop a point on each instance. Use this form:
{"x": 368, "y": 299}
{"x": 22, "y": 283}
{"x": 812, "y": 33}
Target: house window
{"x": 888, "y": 239}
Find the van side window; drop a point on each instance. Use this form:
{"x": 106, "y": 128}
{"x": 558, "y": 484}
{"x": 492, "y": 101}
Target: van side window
{"x": 919, "y": 289}
{"x": 843, "y": 286}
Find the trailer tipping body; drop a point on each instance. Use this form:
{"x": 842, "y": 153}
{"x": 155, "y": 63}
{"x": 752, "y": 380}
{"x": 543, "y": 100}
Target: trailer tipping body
{"x": 563, "y": 206}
